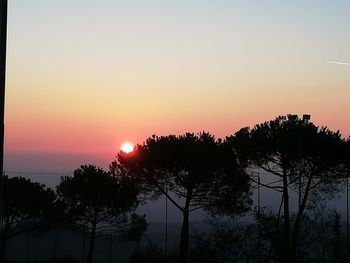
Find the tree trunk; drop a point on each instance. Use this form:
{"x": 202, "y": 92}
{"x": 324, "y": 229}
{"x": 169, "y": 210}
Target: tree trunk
{"x": 184, "y": 242}
{"x": 92, "y": 244}
{"x": 286, "y": 216}
{"x": 296, "y": 230}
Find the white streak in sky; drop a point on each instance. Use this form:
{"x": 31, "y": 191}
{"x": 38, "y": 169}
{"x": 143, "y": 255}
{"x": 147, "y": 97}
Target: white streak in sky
{"x": 338, "y": 62}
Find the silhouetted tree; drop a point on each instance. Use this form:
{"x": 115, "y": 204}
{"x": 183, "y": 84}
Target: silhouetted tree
{"x": 96, "y": 202}
{"x": 26, "y": 207}
{"x": 192, "y": 171}
{"x": 306, "y": 159}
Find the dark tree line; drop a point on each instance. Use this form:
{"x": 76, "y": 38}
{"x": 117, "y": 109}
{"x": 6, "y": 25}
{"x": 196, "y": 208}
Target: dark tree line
{"x": 92, "y": 201}
{"x": 198, "y": 171}
{"x": 323, "y": 240}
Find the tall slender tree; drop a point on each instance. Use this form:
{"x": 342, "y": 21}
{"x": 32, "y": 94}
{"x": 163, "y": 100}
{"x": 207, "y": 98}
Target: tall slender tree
{"x": 192, "y": 171}
{"x": 305, "y": 158}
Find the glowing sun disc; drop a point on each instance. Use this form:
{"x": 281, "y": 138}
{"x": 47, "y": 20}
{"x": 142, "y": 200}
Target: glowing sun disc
{"x": 127, "y": 147}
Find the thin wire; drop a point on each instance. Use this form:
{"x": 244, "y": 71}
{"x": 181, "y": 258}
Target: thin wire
{"x": 347, "y": 217}
{"x": 32, "y": 172}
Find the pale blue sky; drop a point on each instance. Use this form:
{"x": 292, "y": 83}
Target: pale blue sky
{"x": 84, "y": 76}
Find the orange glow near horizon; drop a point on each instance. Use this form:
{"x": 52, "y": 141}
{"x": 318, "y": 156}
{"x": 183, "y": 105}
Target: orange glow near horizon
{"x": 88, "y": 80}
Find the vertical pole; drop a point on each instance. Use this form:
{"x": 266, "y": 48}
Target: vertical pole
{"x": 299, "y": 169}
{"x": 110, "y": 249}
{"x": 55, "y": 246}
{"x": 3, "y": 41}
{"x": 84, "y": 241}
{"x": 28, "y": 249}
{"x": 298, "y": 241}
{"x": 347, "y": 217}
{"x": 259, "y": 230}
{"x": 166, "y": 220}
{"x": 84, "y": 225}
{"x": 1, "y": 199}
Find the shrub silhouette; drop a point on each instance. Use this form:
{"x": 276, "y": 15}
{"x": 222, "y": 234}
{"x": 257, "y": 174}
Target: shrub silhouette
{"x": 96, "y": 202}
{"x": 26, "y": 207}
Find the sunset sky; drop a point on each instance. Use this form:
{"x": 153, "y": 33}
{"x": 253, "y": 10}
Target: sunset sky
{"x": 86, "y": 75}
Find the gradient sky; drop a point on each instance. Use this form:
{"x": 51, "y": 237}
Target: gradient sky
{"x": 86, "y": 75}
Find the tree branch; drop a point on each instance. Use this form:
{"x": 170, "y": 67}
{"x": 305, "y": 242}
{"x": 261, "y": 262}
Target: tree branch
{"x": 277, "y": 188}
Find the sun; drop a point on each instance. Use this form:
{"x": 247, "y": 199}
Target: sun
{"x": 127, "y": 147}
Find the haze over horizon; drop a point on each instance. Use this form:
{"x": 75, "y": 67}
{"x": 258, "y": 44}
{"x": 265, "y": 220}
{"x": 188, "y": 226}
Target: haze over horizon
{"x": 85, "y": 76}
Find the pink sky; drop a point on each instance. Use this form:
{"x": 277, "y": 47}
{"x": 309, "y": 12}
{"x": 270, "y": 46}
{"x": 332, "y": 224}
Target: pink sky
{"x": 84, "y": 80}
